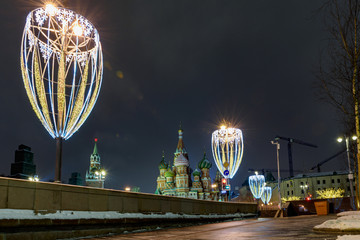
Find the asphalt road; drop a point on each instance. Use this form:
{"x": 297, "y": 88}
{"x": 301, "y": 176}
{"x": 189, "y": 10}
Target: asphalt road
{"x": 262, "y": 228}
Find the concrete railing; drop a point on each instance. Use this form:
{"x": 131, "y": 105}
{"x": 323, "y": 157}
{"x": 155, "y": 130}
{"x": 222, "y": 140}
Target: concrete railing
{"x": 23, "y": 194}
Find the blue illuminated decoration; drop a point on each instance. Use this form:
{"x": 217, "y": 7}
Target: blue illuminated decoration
{"x": 62, "y": 66}
{"x": 257, "y": 184}
{"x": 266, "y": 196}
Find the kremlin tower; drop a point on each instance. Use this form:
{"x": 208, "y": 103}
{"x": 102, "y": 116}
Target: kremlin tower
{"x": 95, "y": 177}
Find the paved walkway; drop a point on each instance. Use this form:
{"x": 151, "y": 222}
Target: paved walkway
{"x": 263, "y": 228}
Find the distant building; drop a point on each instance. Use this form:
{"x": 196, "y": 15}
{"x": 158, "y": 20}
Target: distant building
{"x": 24, "y": 166}
{"x": 304, "y": 185}
{"x": 95, "y": 177}
{"x": 76, "y": 179}
{"x": 176, "y": 180}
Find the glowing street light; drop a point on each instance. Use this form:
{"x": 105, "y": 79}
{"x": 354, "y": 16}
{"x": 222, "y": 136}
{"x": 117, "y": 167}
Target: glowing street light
{"x": 266, "y": 196}
{"x": 35, "y": 178}
{"x": 227, "y": 148}
{"x": 62, "y": 66}
{"x": 127, "y": 189}
{"x": 100, "y": 175}
{"x": 257, "y": 185}
{"x": 350, "y": 176}
{"x": 304, "y": 189}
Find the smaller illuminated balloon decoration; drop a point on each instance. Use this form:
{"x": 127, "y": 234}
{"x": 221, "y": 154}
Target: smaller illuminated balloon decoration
{"x": 266, "y": 196}
{"x": 227, "y": 148}
{"x": 257, "y": 185}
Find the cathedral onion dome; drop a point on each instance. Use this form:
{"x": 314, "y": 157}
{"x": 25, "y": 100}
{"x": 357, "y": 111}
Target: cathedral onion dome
{"x": 204, "y": 163}
{"x": 169, "y": 174}
{"x": 163, "y": 164}
{"x": 181, "y": 160}
{"x": 196, "y": 172}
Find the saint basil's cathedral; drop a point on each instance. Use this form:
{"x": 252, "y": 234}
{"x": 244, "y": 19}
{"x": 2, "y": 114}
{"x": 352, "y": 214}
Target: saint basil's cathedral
{"x": 176, "y": 180}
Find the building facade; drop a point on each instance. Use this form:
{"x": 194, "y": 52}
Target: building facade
{"x": 306, "y": 185}
{"x": 176, "y": 180}
{"x": 24, "y": 166}
{"x": 95, "y": 176}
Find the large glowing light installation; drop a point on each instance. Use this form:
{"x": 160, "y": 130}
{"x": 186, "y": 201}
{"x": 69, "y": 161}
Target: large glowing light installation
{"x": 257, "y": 185}
{"x": 227, "y": 148}
{"x": 62, "y": 66}
{"x": 266, "y": 196}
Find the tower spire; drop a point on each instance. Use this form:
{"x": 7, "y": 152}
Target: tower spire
{"x": 95, "y": 151}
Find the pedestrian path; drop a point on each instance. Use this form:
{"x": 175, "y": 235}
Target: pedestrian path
{"x": 263, "y": 228}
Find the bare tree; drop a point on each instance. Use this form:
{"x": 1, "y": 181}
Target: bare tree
{"x": 339, "y": 70}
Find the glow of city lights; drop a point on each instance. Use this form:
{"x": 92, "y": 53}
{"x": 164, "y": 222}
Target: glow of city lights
{"x": 257, "y": 185}
{"x": 266, "y": 196}
{"x": 227, "y": 148}
{"x": 35, "y": 178}
{"x": 62, "y": 72}
{"x": 127, "y": 189}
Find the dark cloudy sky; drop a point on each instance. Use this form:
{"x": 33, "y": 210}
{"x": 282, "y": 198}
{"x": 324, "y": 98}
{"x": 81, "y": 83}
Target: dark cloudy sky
{"x": 198, "y": 62}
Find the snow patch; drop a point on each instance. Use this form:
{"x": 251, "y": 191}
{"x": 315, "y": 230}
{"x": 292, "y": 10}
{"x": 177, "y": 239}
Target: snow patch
{"x": 348, "y": 237}
{"x": 30, "y": 214}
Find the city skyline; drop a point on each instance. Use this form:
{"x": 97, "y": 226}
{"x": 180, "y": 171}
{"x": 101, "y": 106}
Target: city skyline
{"x": 251, "y": 64}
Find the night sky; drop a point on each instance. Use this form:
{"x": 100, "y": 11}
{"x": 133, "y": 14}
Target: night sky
{"x": 250, "y": 63}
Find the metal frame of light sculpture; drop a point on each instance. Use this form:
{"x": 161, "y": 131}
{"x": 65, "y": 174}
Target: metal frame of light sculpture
{"x": 266, "y": 196}
{"x": 227, "y": 148}
{"x": 257, "y": 185}
{"x": 62, "y": 66}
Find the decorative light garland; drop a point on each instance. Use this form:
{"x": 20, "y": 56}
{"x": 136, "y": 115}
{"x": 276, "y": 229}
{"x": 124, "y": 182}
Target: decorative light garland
{"x": 227, "y": 148}
{"x": 257, "y": 185}
{"x": 266, "y": 196}
{"x": 62, "y": 67}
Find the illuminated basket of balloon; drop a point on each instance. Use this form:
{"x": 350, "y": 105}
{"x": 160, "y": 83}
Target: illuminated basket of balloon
{"x": 257, "y": 185}
{"x": 266, "y": 196}
{"x": 62, "y": 65}
{"x": 227, "y": 148}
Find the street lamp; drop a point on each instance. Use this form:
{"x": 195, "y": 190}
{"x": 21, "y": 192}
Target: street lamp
{"x": 304, "y": 189}
{"x": 257, "y": 185}
{"x": 62, "y": 66}
{"x": 35, "y": 178}
{"x": 227, "y": 147}
{"x": 266, "y": 196}
{"x": 350, "y": 176}
{"x": 278, "y": 167}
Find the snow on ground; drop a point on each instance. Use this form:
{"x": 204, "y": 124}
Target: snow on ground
{"x": 348, "y": 237}
{"x": 30, "y": 214}
{"x": 346, "y": 221}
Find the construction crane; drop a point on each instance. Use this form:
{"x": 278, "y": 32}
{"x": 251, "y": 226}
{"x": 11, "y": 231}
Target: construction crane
{"x": 263, "y": 170}
{"x": 326, "y": 160}
{"x": 290, "y": 142}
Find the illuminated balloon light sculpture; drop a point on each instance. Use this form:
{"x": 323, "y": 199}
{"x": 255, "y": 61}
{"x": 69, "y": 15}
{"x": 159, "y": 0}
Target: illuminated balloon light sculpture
{"x": 227, "y": 148}
{"x": 62, "y": 66}
{"x": 257, "y": 185}
{"x": 266, "y": 196}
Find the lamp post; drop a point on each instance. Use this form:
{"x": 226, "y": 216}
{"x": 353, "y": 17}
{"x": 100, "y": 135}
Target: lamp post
{"x": 350, "y": 176}
{"x": 278, "y": 167}
{"x": 100, "y": 175}
{"x": 227, "y": 147}
{"x": 304, "y": 188}
{"x": 62, "y": 66}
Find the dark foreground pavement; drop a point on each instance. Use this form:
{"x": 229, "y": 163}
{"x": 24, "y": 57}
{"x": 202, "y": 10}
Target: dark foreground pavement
{"x": 263, "y": 228}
